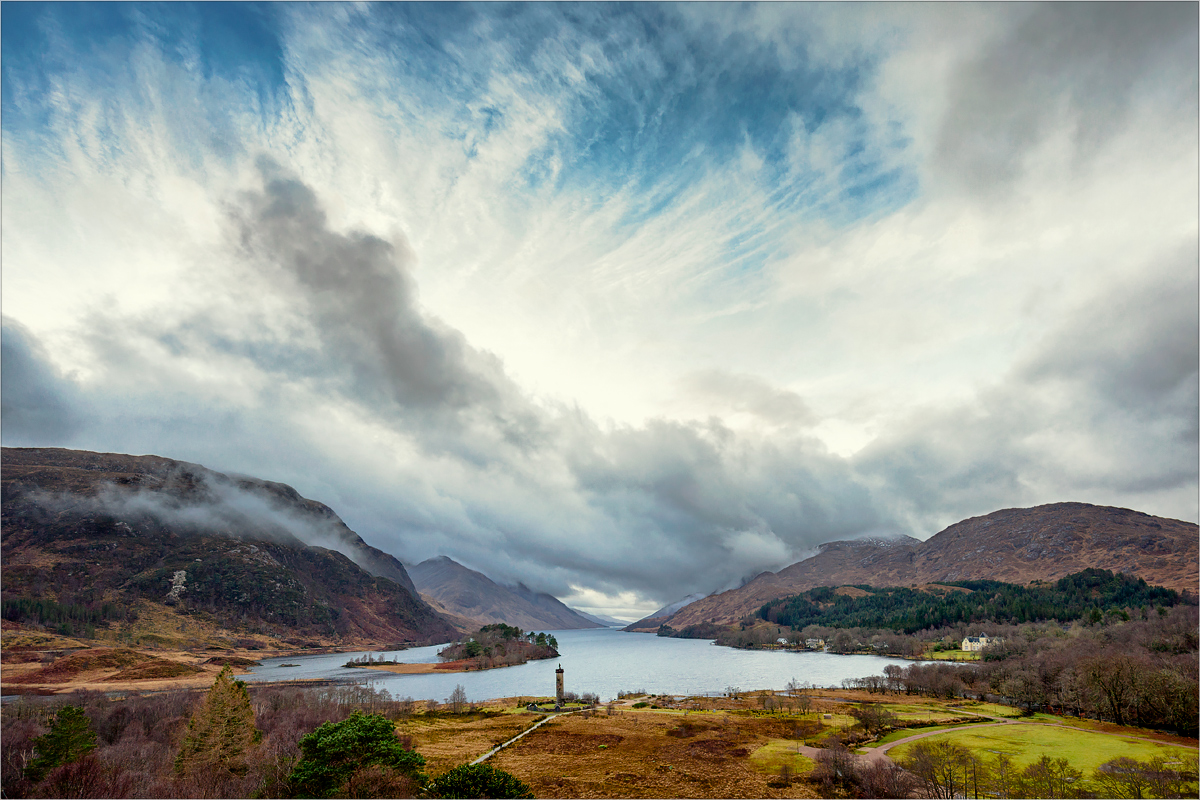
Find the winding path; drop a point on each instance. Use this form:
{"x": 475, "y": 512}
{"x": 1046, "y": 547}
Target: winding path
{"x": 880, "y": 754}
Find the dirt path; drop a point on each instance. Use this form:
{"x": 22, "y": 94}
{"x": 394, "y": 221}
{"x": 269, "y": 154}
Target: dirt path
{"x": 530, "y": 729}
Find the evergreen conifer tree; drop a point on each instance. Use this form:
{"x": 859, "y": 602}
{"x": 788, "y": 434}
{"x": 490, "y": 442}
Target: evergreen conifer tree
{"x": 70, "y": 738}
{"x": 221, "y": 731}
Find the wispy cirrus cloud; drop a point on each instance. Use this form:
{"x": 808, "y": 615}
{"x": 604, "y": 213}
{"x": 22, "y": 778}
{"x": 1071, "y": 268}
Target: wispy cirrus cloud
{"x": 612, "y": 298}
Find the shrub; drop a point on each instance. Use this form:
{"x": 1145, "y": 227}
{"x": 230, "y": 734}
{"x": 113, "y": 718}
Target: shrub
{"x": 478, "y": 780}
{"x": 333, "y": 754}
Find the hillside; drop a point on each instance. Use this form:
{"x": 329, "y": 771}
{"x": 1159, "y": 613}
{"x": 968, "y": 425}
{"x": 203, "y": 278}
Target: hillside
{"x": 473, "y": 595}
{"x": 99, "y": 539}
{"x": 1015, "y": 545}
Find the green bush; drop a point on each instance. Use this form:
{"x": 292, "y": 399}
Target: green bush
{"x": 640, "y": 704}
{"x": 477, "y": 780}
{"x": 331, "y": 755}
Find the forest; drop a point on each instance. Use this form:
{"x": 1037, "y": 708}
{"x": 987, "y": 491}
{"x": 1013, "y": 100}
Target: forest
{"x": 1141, "y": 672}
{"x": 1089, "y": 595}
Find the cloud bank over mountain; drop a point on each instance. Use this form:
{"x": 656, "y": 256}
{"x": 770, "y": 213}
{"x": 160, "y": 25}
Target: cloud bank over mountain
{"x": 624, "y": 303}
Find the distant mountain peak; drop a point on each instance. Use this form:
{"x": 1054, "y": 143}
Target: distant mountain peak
{"x": 471, "y": 594}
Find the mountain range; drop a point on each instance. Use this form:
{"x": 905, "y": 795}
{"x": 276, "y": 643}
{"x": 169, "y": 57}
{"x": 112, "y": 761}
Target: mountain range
{"x": 1015, "y": 545}
{"x": 469, "y": 594}
{"x": 107, "y": 537}
{"x": 236, "y": 557}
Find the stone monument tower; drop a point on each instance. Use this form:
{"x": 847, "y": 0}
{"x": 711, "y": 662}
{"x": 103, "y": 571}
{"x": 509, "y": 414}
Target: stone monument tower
{"x": 558, "y": 684}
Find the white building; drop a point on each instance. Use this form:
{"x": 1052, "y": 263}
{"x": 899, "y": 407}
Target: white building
{"x": 973, "y": 643}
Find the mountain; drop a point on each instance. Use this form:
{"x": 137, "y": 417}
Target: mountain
{"x": 1015, "y": 545}
{"x": 608, "y": 622}
{"x": 651, "y": 623}
{"x": 110, "y": 537}
{"x": 474, "y": 595}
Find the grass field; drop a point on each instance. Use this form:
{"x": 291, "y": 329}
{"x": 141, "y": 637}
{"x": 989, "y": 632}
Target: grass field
{"x": 736, "y": 751}
{"x": 1025, "y": 743}
{"x": 897, "y": 735}
{"x": 994, "y": 709}
{"x": 771, "y": 757}
{"x": 951, "y": 655}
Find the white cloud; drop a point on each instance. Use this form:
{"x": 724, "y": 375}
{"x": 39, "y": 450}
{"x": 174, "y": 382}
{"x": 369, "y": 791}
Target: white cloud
{"x": 596, "y": 373}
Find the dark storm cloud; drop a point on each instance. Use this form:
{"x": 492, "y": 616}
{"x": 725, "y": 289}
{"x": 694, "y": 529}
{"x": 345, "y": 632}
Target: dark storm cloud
{"x": 1082, "y": 65}
{"x": 362, "y": 300}
{"x": 36, "y": 402}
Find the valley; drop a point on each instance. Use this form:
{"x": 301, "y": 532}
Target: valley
{"x": 144, "y": 578}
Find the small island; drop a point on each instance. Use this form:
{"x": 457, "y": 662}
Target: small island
{"x": 490, "y": 647}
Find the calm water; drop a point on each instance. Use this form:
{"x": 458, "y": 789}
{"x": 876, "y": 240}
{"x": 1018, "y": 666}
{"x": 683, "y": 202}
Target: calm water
{"x": 600, "y": 660}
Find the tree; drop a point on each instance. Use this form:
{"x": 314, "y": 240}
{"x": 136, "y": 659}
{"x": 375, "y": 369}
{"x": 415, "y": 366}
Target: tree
{"x": 221, "y": 731}
{"x": 477, "y": 780}
{"x": 874, "y": 718}
{"x": 940, "y": 766}
{"x": 835, "y": 767}
{"x": 70, "y": 738}
{"x": 1122, "y": 777}
{"x": 1004, "y": 778}
{"x": 334, "y": 754}
{"x": 1052, "y": 778}
{"x": 458, "y": 699}
{"x": 884, "y": 779}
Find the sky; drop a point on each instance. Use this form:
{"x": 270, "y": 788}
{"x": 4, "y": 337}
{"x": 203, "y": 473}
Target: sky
{"x": 626, "y": 302}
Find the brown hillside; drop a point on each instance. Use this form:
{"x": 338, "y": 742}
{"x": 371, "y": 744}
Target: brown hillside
{"x": 1016, "y": 545}
{"x": 89, "y": 529}
{"x": 470, "y": 594}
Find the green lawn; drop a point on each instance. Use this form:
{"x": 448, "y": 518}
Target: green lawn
{"x": 951, "y": 655}
{"x": 1084, "y": 750}
{"x": 777, "y": 752}
{"x": 897, "y": 735}
{"x": 995, "y": 709}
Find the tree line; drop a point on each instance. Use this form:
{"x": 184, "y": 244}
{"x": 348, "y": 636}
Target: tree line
{"x": 942, "y": 769}
{"x": 1090, "y": 595}
{"x": 277, "y": 742}
{"x": 67, "y": 619}
{"x": 1140, "y": 672}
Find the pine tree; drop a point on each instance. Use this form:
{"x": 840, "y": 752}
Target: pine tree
{"x": 222, "y": 730}
{"x": 70, "y": 737}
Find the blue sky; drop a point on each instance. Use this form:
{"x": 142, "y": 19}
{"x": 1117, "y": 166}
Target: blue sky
{"x": 625, "y": 290}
